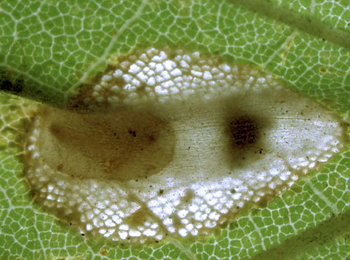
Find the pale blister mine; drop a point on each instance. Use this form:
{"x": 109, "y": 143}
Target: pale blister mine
{"x": 170, "y": 143}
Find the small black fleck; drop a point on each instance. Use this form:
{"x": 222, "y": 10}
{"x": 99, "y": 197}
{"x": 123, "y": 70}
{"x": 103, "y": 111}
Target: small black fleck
{"x": 133, "y": 133}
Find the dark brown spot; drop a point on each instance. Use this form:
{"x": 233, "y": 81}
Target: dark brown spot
{"x": 244, "y": 131}
{"x": 244, "y": 137}
{"x": 60, "y": 167}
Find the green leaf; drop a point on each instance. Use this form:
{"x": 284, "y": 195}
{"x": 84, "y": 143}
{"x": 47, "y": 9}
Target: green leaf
{"x": 49, "y": 48}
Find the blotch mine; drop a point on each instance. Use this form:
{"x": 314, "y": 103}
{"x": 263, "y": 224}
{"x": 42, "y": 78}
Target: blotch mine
{"x": 172, "y": 143}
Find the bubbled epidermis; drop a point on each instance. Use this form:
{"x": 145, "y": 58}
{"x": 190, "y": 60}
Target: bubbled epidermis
{"x": 199, "y": 189}
{"x": 154, "y": 76}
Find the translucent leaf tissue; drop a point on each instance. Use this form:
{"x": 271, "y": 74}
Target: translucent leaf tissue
{"x": 171, "y": 143}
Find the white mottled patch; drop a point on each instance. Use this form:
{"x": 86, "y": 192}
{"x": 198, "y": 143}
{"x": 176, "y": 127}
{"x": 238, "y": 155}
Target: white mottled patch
{"x": 210, "y": 177}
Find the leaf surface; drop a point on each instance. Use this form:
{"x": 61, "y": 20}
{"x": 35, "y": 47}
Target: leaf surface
{"x": 49, "y": 48}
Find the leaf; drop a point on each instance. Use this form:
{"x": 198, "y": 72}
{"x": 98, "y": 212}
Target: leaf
{"x": 48, "y": 49}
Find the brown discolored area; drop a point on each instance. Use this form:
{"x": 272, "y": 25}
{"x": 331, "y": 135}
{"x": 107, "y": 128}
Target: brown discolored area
{"x": 104, "y": 251}
{"x": 120, "y": 145}
{"x": 244, "y": 138}
{"x": 244, "y": 131}
{"x": 139, "y": 217}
